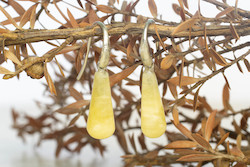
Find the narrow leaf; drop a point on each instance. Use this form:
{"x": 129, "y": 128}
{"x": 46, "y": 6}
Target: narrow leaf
{"x": 173, "y": 89}
{"x": 184, "y": 131}
{"x": 201, "y": 141}
{"x": 196, "y": 95}
{"x": 18, "y": 8}
{"x": 49, "y": 80}
{"x": 9, "y": 55}
{"x": 247, "y": 64}
{"x": 73, "y": 121}
{"x": 105, "y": 9}
{"x": 210, "y": 125}
{"x": 224, "y": 12}
{"x": 175, "y": 114}
{"x": 9, "y": 17}
{"x": 115, "y": 78}
{"x": 60, "y": 68}
{"x": 73, "y": 108}
{"x": 185, "y": 80}
{"x": 217, "y": 57}
{"x": 75, "y": 94}
{"x": 234, "y": 32}
{"x": 26, "y": 16}
{"x": 5, "y": 71}
{"x": 181, "y": 144}
{"x": 184, "y": 26}
{"x": 225, "y": 97}
{"x": 167, "y": 62}
{"x": 152, "y": 7}
{"x": 73, "y": 21}
{"x": 33, "y": 18}
{"x": 224, "y": 137}
{"x": 198, "y": 157}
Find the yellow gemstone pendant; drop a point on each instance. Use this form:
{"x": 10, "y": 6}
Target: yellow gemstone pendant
{"x": 101, "y": 122}
{"x": 153, "y": 123}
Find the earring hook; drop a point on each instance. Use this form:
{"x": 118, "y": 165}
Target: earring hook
{"x": 144, "y": 48}
{"x": 104, "y": 60}
{"x": 105, "y": 54}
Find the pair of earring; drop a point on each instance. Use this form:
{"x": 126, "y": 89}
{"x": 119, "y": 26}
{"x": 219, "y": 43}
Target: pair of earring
{"x": 101, "y": 123}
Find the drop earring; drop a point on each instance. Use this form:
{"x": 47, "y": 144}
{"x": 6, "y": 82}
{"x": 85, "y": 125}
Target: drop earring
{"x": 100, "y": 123}
{"x": 153, "y": 123}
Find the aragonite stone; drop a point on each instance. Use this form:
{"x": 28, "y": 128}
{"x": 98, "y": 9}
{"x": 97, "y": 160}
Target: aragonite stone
{"x": 101, "y": 122}
{"x": 153, "y": 122}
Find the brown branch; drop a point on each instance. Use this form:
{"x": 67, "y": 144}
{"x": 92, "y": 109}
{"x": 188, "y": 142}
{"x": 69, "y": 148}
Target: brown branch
{"x": 224, "y": 6}
{"x": 201, "y": 82}
{"x": 20, "y": 37}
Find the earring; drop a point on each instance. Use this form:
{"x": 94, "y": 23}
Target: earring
{"x": 100, "y": 123}
{"x": 153, "y": 123}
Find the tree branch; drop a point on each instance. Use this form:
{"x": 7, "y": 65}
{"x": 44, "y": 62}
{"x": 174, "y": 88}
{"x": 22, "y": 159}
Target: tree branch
{"x": 20, "y": 37}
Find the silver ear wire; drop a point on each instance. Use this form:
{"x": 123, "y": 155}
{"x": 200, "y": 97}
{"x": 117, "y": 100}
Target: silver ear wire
{"x": 104, "y": 60}
{"x": 144, "y": 48}
{"x": 105, "y": 54}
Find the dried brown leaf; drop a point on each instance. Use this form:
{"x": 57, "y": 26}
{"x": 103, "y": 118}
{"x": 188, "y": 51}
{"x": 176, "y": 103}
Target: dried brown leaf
{"x": 33, "y": 18}
{"x": 185, "y": 3}
{"x": 73, "y": 108}
{"x": 52, "y": 17}
{"x": 92, "y": 16}
{"x": 187, "y": 151}
{"x": 173, "y": 89}
{"x": 175, "y": 114}
{"x": 185, "y": 80}
{"x": 73, "y": 121}
{"x": 49, "y": 80}
{"x": 27, "y": 15}
{"x": 196, "y": 95}
{"x": 72, "y": 20}
{"x": 9, "y": 17}
{"x": 237, "y": 152}
{"x": 238, "y": 140}
{"x": 10, "y": 55}
{"x": 217, "y": 57}
{"x": 234, "y": 32}
{"x": 105, "y": 9}
{"x": 225, "y": 97}
{"x": 141, "y": 139}
{"x": 59, "y": 10}
{"x": 224, "y": 12}
{"x": 223, "y": 138}
{"x": 75, "y": 94}
{"x": 121, "y": 137}
{"x": 131, "y": 45}
{"x": 167, "y": 62}
{"x": 247, "y": 64}
{"x": 184, "y": 131}
{"x": 60, "y": 68}
{"x": 181, "y": 144}
{"x": 5, "y": 71}
{"x": 152, "y": 154}
{"x": 115, "y": 78}
{"x": 132, "y": 141}
{"x": 201, "y": 141}
{"x": 152, "y": 7}
{"x": 198, "y": 157}
{"x": 18, "y": 8}
{"x": 184, "y": 26}
{"x": 210, "y": 125}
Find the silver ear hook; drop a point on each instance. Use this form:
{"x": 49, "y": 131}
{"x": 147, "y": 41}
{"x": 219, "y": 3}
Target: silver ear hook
{"x": 144, "y": 48}
{"x": 104, "y": 60}
{"x": 105, "y": 54}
